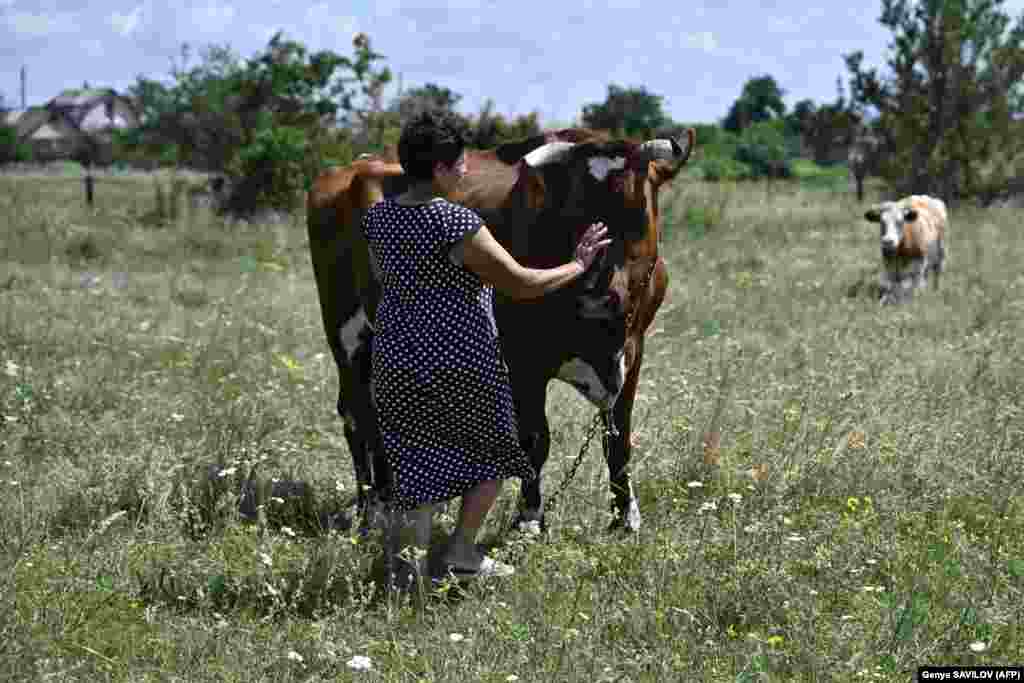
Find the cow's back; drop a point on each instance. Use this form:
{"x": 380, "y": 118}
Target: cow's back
{"x": 932, "y": 218}
{"x": 335, "y": 206}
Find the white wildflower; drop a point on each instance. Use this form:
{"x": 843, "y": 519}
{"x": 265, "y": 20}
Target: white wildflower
{"x": 456, "y": 637}
{"x": 177, "y": 417}
{"x": 287, "y": 531}
{"x": 265, "y": 559}
{"x": 511, "y": 678}
{"x": 360, "y": 663}
{"x": 709, "y": 506}
{"x": 735, "y": 498}
{"x": 227, "y": 472}
{"x": 294, "y": 656}
{"x": 695, "y": 485}
{"x": 978, "y": 646}
{"x": 531, "y": 527}
{"x": 795, "y": 538}
{"x": 11, "y": 368}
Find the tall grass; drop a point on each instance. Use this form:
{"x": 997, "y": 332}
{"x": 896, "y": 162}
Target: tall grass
{"x": 831, "y": 490}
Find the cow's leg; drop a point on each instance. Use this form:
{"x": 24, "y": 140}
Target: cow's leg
{"x": 918, "y": 274}
{"x": 888, "y": 286}
{"x": 938, "y": 259}
{"x": 625, "y": 508}
{"x": 358, "y": 410}
{"x": 860, "y": 186}
{"x": 535, "y": 436}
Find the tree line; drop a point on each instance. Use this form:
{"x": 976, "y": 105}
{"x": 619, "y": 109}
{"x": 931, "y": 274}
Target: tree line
{"x": 944, "y": 117}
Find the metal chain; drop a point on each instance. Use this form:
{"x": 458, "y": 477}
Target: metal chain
{"x": 549, "y": 504}
{"x": 609, "y": 423}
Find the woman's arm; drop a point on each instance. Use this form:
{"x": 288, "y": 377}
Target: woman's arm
{"x": 483, "y": 255}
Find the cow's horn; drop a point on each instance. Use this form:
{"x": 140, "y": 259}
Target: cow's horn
{"x": 670, "y": 150}
{"x": 549, "y": 153}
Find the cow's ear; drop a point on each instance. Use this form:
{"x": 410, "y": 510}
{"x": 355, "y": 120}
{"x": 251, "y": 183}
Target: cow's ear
{"x": 873, "y": 214}
{"x": 910, "y": 215}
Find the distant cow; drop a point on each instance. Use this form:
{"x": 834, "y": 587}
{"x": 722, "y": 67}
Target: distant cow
{"x": 913, "y": 233}
{"x": 862, "y": 160}
{"x": 536, "y": 196}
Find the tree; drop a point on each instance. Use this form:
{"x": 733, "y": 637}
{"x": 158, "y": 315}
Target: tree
{"x": 762, "y": 147}
{"x": 489, "y": 130}
{"x": 630, "y": 111}
{"x": 760, "y": 99}
{"x": 945, "y": 112}
{"x": 429, "y": 97}
{"x": 264, "y": 121}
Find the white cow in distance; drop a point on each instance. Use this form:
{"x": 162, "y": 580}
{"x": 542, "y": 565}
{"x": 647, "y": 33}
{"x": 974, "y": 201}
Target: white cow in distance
{"x": 913, "y": 234}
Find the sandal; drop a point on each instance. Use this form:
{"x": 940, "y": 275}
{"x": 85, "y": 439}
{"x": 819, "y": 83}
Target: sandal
{"x": 489, "y": 567}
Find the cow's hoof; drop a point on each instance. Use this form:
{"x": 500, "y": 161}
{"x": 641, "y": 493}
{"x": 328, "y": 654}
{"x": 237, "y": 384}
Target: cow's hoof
{"x": 628, "y": 520}
{"x": 530, "y": 525}
{"x": 372, "y": 517}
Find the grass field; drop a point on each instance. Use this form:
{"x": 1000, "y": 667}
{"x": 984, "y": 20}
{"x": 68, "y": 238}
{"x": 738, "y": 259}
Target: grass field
{"x": 862, "y": 515}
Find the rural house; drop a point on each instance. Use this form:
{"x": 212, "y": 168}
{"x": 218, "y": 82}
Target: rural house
{"x": 73, "y": 122}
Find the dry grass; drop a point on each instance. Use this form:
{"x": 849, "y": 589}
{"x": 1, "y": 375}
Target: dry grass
{"x": 857, "y": 512}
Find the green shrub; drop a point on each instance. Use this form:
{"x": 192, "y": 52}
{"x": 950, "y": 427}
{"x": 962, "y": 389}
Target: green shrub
{"x": 10, "y": 149}
{"x": 763, "y": 147}
{"x": 718, "y": 168}
{"x": 271, "y": 171}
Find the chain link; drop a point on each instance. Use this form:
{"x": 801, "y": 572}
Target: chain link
{"x": 601, "y": 416}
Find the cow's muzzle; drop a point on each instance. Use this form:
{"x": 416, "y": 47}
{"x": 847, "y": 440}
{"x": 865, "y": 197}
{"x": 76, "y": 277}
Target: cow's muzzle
{"x": 601, "y": 307}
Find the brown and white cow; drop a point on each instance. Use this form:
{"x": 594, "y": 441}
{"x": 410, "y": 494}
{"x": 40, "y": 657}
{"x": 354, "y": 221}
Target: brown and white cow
{"x": 913, "y": 234}
{"x": 537, "y": 196}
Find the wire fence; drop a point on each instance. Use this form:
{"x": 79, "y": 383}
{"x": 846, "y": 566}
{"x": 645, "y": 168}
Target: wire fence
{"x": 189, "y": 182}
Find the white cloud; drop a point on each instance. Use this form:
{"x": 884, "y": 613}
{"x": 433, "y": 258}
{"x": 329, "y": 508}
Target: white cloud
{"x": 213, "y": 17}
{"x": 702, "y": 40}
{"x": 40, "y": 25}
{"x": 92, "y": 47}
{"x": 125, "y": 24}
{"x": 329, "y": 30}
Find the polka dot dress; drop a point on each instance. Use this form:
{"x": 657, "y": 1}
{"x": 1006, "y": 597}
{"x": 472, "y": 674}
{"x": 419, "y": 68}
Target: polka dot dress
{"x": 444, "y": 401}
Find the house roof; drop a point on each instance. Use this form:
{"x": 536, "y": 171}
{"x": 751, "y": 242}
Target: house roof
{"x": 53, "y": 130}
{"x": 28, "y": 121}
{"x": 74, "y": 112}
{"x": 80, "y": 97}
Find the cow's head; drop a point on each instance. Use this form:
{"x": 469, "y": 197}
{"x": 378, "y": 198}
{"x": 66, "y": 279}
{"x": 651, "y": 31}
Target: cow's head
{"x": 892, "y": 218}
{"x": 574, "y": 184}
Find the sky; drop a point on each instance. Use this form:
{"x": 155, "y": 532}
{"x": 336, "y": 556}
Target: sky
{"x": 524, "y": 55}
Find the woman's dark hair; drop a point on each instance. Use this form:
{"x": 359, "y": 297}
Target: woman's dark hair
{"x": 428, "y": 138}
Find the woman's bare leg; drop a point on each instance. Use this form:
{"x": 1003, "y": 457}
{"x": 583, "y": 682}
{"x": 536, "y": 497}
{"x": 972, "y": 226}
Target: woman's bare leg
{"x": 476, "y": 503}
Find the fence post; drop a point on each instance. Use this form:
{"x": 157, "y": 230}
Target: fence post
{"x": 88, "y": 187}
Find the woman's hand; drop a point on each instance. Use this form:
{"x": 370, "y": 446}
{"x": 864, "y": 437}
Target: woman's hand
{"x": 590, "y": 244}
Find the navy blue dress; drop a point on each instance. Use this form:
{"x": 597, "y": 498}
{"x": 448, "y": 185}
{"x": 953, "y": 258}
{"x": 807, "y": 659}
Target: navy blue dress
{"x": 444, "y": 398}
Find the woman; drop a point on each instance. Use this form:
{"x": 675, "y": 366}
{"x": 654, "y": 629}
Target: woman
{"x": 443, "y": 395}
